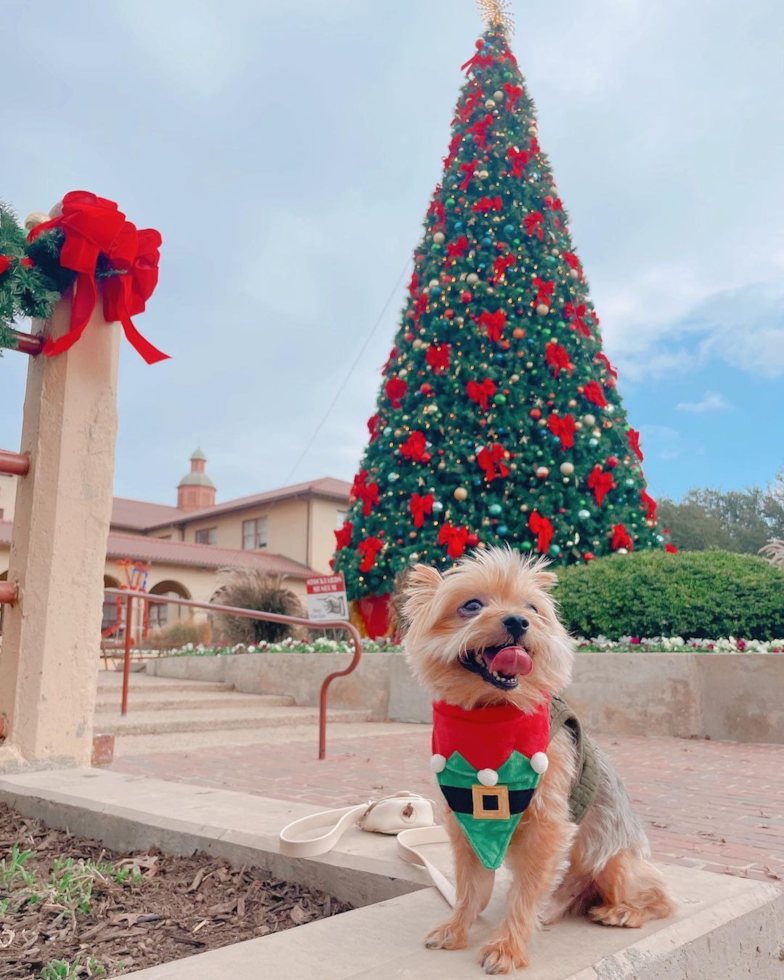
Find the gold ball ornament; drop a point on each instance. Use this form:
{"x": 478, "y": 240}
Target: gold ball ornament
{"x": 589, "y": 420}
{"x": 542, "y": 472}
{"x": 483, "y": 175}
{"x": 418, "y": 343}
{"x": 35, "y": 219}
{"x": 542, "y": 309}
{"x": 498, "y": 95}
{"x": 572, "y": 403}
{"x": 472, "y": 277}
{"x": 490, "y": 104}
{"x": 650, "y": 523}
{"x": 515, "y": 378}
{"x": 434, "y": 282}
{"x": 574, "y": 273}
{"x": 460, "y": 494}
{"x": 532, "y": 130}
{"x": 567, "y": 469}
{"x": 439, "y": 238}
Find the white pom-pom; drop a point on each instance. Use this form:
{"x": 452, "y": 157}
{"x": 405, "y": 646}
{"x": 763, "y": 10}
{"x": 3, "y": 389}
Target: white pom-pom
{"x": 438, "y": 763}
{"x": 539, "y": 762}
{"x": 487, "y": 777}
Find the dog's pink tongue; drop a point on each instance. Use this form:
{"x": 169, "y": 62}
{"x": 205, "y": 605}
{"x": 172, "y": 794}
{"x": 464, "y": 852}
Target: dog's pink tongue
{"x": 511, "y": 661}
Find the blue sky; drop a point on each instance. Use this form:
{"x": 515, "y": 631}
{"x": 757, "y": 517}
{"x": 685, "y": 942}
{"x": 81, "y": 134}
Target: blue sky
{"x": 287, "y": 153}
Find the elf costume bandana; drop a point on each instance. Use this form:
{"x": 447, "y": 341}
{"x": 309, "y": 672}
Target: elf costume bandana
{"x": 488, "y": 763}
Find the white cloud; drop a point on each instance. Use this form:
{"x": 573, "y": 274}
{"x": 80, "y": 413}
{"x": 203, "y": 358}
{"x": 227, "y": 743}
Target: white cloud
{"x": 711, "y": 401}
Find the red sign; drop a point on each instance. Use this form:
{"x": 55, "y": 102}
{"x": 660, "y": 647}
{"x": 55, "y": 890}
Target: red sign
{"x": 325, "y": 583}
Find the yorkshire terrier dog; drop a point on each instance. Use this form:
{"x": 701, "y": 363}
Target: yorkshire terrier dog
{"x": 486, "y": 639}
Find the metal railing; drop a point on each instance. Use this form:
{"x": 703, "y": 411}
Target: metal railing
{"x": 353, "y": 632}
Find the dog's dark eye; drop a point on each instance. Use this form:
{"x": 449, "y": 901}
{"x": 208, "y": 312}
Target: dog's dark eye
{"x": 532, "y": 606}
{"x": 471, "y": 608}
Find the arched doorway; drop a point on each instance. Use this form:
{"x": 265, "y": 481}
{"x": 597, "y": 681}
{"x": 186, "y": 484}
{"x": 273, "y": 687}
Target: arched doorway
{"x": 111, "y": 617}
{"x": 162, "y": 614}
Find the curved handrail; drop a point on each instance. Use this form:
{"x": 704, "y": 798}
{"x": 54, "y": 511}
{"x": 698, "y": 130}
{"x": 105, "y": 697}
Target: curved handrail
{"x": 247, "y": 614}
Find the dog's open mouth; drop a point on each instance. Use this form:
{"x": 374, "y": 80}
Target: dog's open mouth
{"x": 500, "y": 666}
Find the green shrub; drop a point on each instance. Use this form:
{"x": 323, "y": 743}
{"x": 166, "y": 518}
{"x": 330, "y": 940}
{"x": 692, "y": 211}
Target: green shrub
{"x": 694, "y": 594}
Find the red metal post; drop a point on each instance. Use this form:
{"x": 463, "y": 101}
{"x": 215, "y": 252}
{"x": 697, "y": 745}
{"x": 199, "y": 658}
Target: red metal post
{"x": 16, "y": 464}
{"x": 28, "y": 343}
{"x": 355, "y": 638}
{"x": 9, "y": 593}
{"x": 127, "y": 658}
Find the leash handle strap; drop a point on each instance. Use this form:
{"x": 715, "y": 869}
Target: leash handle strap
{"x": 293, "y": 845}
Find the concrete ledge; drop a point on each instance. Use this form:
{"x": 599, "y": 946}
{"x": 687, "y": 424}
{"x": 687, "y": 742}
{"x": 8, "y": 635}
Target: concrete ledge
{"x": 727, "y": 697}
{"x": 727, "y": 928}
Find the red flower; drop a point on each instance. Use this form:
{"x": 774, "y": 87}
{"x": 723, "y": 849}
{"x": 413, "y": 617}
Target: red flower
{"x": 368, "y": 550}
{"x": 543, "y": 529}
{"x": 621, "y": 539}
{"x": 420, "y": 506}
{"x": 601, "y": 484}
{"x": 634, "y": 441}
{"x": 454, "y": 538}
{"x": 366, "y": 492}
{"x": 437, "y": 357}
{"x": 481, "y": 393}
{"x": 414, "y": 447}
{"x": 343, "y": 536}
{"x": 491, "y": 459}
{"x": 594, "y": 394}
{"x": 563, "y": 428}
{"x": 556, "y": 357}
{"x": 395, "y": 389}
{"x": 494, "y": 322}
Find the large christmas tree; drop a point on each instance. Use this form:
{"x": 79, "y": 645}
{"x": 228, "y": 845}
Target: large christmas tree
{"x": 498, "y": 420}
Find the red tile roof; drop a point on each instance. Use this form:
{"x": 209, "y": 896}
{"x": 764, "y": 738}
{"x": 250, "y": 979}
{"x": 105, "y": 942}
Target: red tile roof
{"x": 141, "y": 514}
{"x": 163, "y": 551}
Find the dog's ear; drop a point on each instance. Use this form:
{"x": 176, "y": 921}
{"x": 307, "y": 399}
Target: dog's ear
{"x": 420, "y": 586}
{"x": 545, "y": 580}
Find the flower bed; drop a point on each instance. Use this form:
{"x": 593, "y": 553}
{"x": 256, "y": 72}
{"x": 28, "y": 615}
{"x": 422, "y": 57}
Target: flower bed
{"x": 600, "y": 644}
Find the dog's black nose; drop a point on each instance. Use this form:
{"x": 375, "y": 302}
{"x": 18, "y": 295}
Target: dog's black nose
{"x": 516, "y": 625}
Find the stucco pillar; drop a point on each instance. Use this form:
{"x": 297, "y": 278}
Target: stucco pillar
{"x": 51, "y": 643}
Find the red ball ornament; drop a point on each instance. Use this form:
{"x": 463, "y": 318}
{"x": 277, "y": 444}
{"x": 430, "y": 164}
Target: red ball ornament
{"x": 472, "y": 540}
{"x": 449, "y": 314}
{"x": 589, "y": 556}
{"x": 466, "y": 297}
{"x": 609, "y": 381}
{"x": 535, "y": 413}
{"x": 518, "y": 333}
{"x": 504, "y": 345}
{"x": 440, "y": 452}
{"x": 426, "y": 457}
{"x": 480, "y": 42}
{"x": 612, "y": 462}
{"x": 408, "y": 337}
{"x": 426, "y": 388}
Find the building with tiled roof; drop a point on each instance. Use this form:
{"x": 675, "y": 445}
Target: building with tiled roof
{"x": 288, "y": 532}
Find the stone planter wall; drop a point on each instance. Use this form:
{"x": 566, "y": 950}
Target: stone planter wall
{"x": 726, "y": 697}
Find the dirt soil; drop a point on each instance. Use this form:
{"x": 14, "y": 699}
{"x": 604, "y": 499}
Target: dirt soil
{"x": 104, "y": 914}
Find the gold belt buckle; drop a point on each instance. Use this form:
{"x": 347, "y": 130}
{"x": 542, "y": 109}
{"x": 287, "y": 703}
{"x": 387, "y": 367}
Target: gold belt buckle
{"x": 490, "y": 802}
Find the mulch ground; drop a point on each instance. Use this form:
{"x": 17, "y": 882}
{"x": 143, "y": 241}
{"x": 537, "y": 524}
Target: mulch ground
{"x": 102, "y": 914}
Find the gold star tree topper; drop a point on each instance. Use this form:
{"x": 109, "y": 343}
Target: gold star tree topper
{"x": 497, "y": 13}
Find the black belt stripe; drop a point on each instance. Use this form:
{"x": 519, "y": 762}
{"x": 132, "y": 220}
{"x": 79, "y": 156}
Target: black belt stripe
{"x": 461, "y": 799}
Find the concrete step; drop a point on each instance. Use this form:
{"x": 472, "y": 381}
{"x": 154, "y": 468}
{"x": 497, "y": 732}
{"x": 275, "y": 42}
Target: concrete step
{"x": 210, "y": 719}
{"x": 141, "y": 682}
{"x": 146, "y": 700}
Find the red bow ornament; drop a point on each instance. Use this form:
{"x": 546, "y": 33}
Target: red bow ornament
{"x": 368, "y": 550}
{"x": 594, "y": 394}
{"x": 634, "y": 441}
{"x": 343, "y": 536}
{"x": 373, "y": 427}
{"x": 413, "y": 286}
{"x": 454, "y": 145}
{"x": 420, "y": 507}
{"x": 501, "y": 265}
{"x": 491, "y": 460}
{"x": 93, "y": 227}
{"x": 460, "y": 247}
{"x": 486, "y": 204}
{"x": 392, "y": 355}
{"x": 563, "y": 428}
{"x": 479, "y": 60}
{"x": 366, "y": 492}
{"x": 621, "y": 539}
{"x": 601, "y": 484}
{"x": 575, "y": 315}
{"x": 494, "y": 324}
{"x": 468, "y": 169}
{"x": 420, "y": 306}
{"x": 671, "y": 549}
{"x": 606, "y": 361}
{"x": 533, "y": 224}
{"x": 544, "y": 290}
{"x": 481, "y": 393}
{"x": 5, "y": 264}
{"x": 479, "y": 130}
{"x": 454, "y": 538}
{"x": 650, "y": 505}
{"x": 543, "y": 529}
{"x": 414, "y": 447}
{"x": 437, "y": 357}
{"x": 467, "y": 109}
{"x": 557, "y": 358}
{"x": 513, "y": 94}
{"x": 574, "y": 263}
{"x": 395, "y": 389}
{"x": 519, "y": 160}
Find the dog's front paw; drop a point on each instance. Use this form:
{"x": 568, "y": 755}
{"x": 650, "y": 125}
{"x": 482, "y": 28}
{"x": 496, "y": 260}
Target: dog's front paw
{"x": 503, "y": 956}
{"x": 449, "y": 935}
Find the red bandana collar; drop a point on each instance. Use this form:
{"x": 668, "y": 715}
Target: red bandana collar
{"x": 486, "y": 737}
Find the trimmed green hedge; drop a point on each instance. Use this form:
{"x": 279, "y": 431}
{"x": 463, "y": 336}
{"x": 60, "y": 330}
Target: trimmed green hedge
{"x": 692, "y": 594}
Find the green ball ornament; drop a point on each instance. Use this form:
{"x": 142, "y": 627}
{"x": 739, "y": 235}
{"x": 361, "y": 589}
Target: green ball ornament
{"x": 526, "y": 545}
{"x": 500, "y": 399}
{"x": 450, "y": 202}
{"x": 437, "y": 507}
{"x": 495, "y": 509}
{"x": 502, "y": 530}
{"x": 583, "y": 514}
{"x": 553, "y": 551}
{"x": 551, "y": 260}
{"x": 593, "y": 443}
{"x": 435, "y": 247}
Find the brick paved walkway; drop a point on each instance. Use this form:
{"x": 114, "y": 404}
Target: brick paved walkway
{"x": 711, "y": 805}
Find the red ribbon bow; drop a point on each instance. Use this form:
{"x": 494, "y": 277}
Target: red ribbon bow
{"x": 545, "y": 289}
{"x": 573, "y": 262}
{"x": 519, "y": 160}
{"x": 501, "y": 264}
{"x": 634, "y": 442}
{"x": 594, "y": 394}
{"x": 420, "y": 306}
{"x": 479, "y": 60}
{"x": 343, "y": 536}
{"x": 533, "y": 224}
{"x": 454, "y": 538}
{"x": 494, "y": 323}
{"x": 468, "y": 169}
{"x": 481, "y": 393}
{"x": 491, "y": 460}
{"x": 413, "y": 286}
{"x": 415, "y": 447}
{"x": 392, "y": 355}
{"x": 420, "y": 506}
{"x": 368, "y": 550}
{"x": 5, "y": 264}
{"x": 93, "y": 226}
{"x": 553, "y": 203}
{"x": 465, "y": 113}
{"x": 438, "y": 357}
{"x": 574, "y": 314}
{"x": 485, "y": 204}
{"x": 533, "y": 146}
{"x": 543, "y": 529}
{"x": 395, "y": 389}
{"x": 460, "y": 247}
{"x": 601, "y": 484}
{"x": 650, "y": 505}
{"x": 563, "y": 428}
{"x": 621, "y": 539}
{"x": 454, "y": 145}
{"x": 479, "y": 130}
{"x": 557, "y": 358}
{"x": 606, "y": 361}
{"x": 513, "y": 94}
{"x": 366, "y": 492}
{"x": 372, "y": 424}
